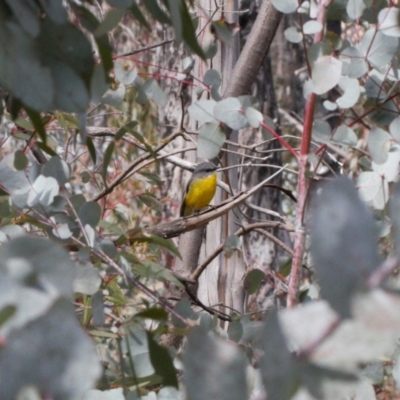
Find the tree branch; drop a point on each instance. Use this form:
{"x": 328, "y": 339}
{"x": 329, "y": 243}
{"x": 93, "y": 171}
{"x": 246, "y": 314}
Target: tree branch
{"x": 254, "y": 51}
{"x": 185, "y": 224}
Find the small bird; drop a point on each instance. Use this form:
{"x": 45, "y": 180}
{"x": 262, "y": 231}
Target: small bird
{"x": 200, "y": 189}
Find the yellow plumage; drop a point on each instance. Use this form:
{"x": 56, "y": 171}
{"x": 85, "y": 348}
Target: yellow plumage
{"x": 200, "y": 191}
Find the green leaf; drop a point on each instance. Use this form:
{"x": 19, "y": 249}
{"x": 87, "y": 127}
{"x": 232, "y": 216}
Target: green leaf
{"x": 210, "y": 141}
{"x": 253, "y": 280}
{"x": 120, "y": 3}
{"x": 92, "y": 149}
{"x": 37, "y": 123}
{"x": 107, "y": 159}
{"x": 68, "y": 53}
{"x": 98, "y": 309}
{"x": 48, "y": 150}
{"x": 85, "y": 16}
{"x": 167, "y": 244}
{"x": 176, "y": 14}
{"x": 58, "y": 169}
{"x": 183, "y": 25}
{"x": 27, "y": 15}
{"x": 20, "y": 160}
{"x": 98, "y": 84}
{"x": 55, "y": 10}
{"x": 90, "y": 213}
{"x": 24, "y": 69}
{"x": 162, "y": 362}
{"x": 110, "y": 21}
{"x": 129, "y": 127}
{"x": 184, "y": 309}
{"x": 6, "y": 313}
{"x": 137, "y": 13}
{"x": 156, "y": 12}
{"x": 157, "y": 314}
{"x": 232, "y": 244}
{"x": 235, "y": 331}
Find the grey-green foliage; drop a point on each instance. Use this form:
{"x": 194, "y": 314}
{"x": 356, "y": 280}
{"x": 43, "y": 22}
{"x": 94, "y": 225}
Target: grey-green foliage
{"x": 214, "y": 369}
{"x": 47, "y": 62}
{"x": 343, "y": 244}
{"x": 43, "y": 341}
{"x": 212, "y": 115}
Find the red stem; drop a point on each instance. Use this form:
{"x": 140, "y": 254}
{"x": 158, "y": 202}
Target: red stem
{"x": 282, "y": 141}
{"x": 302, "y": 184}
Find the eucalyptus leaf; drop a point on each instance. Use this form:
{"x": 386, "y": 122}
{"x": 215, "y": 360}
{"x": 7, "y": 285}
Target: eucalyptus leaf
{"x": 345, "y": 136}
{"x": 343, "y": 244}
{"x": 312, "y": 27}
{"x": 202, "y": 111}
{"x": 114, "y": 97}
{"x": 58, "y": 169}
{"x": 207, "y": 357}
{"x": 210, "y": 141}
{"x": 390, "y": 168}
{"x": 285, "y": 6}
{"x": 87, "y": 279}
{"x": 388, "y": 19}
{"x": 229, "y": 111}
{"x": 355, "y": 8}
{"x": 394, "y": 129}
{"x": 351, "y": 89}
{"x": 378, "y": 145}
{"x": 47, "y": 350}
{"x": 354, "y": 64}
{"x": 281, "y": 372}
{"x": 326, "y": 74}
{"x": 43, "y": 191}
{"x": 293, "y": 35}
{"x": 378, "y": 48}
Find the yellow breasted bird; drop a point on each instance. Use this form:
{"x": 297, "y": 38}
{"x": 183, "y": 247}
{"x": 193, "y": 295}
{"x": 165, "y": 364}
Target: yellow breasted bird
{"x": 200, "y": 189}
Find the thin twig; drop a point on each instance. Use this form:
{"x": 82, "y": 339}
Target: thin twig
{"x": 142, "y": 49}
{"x": 240, "y": 232}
